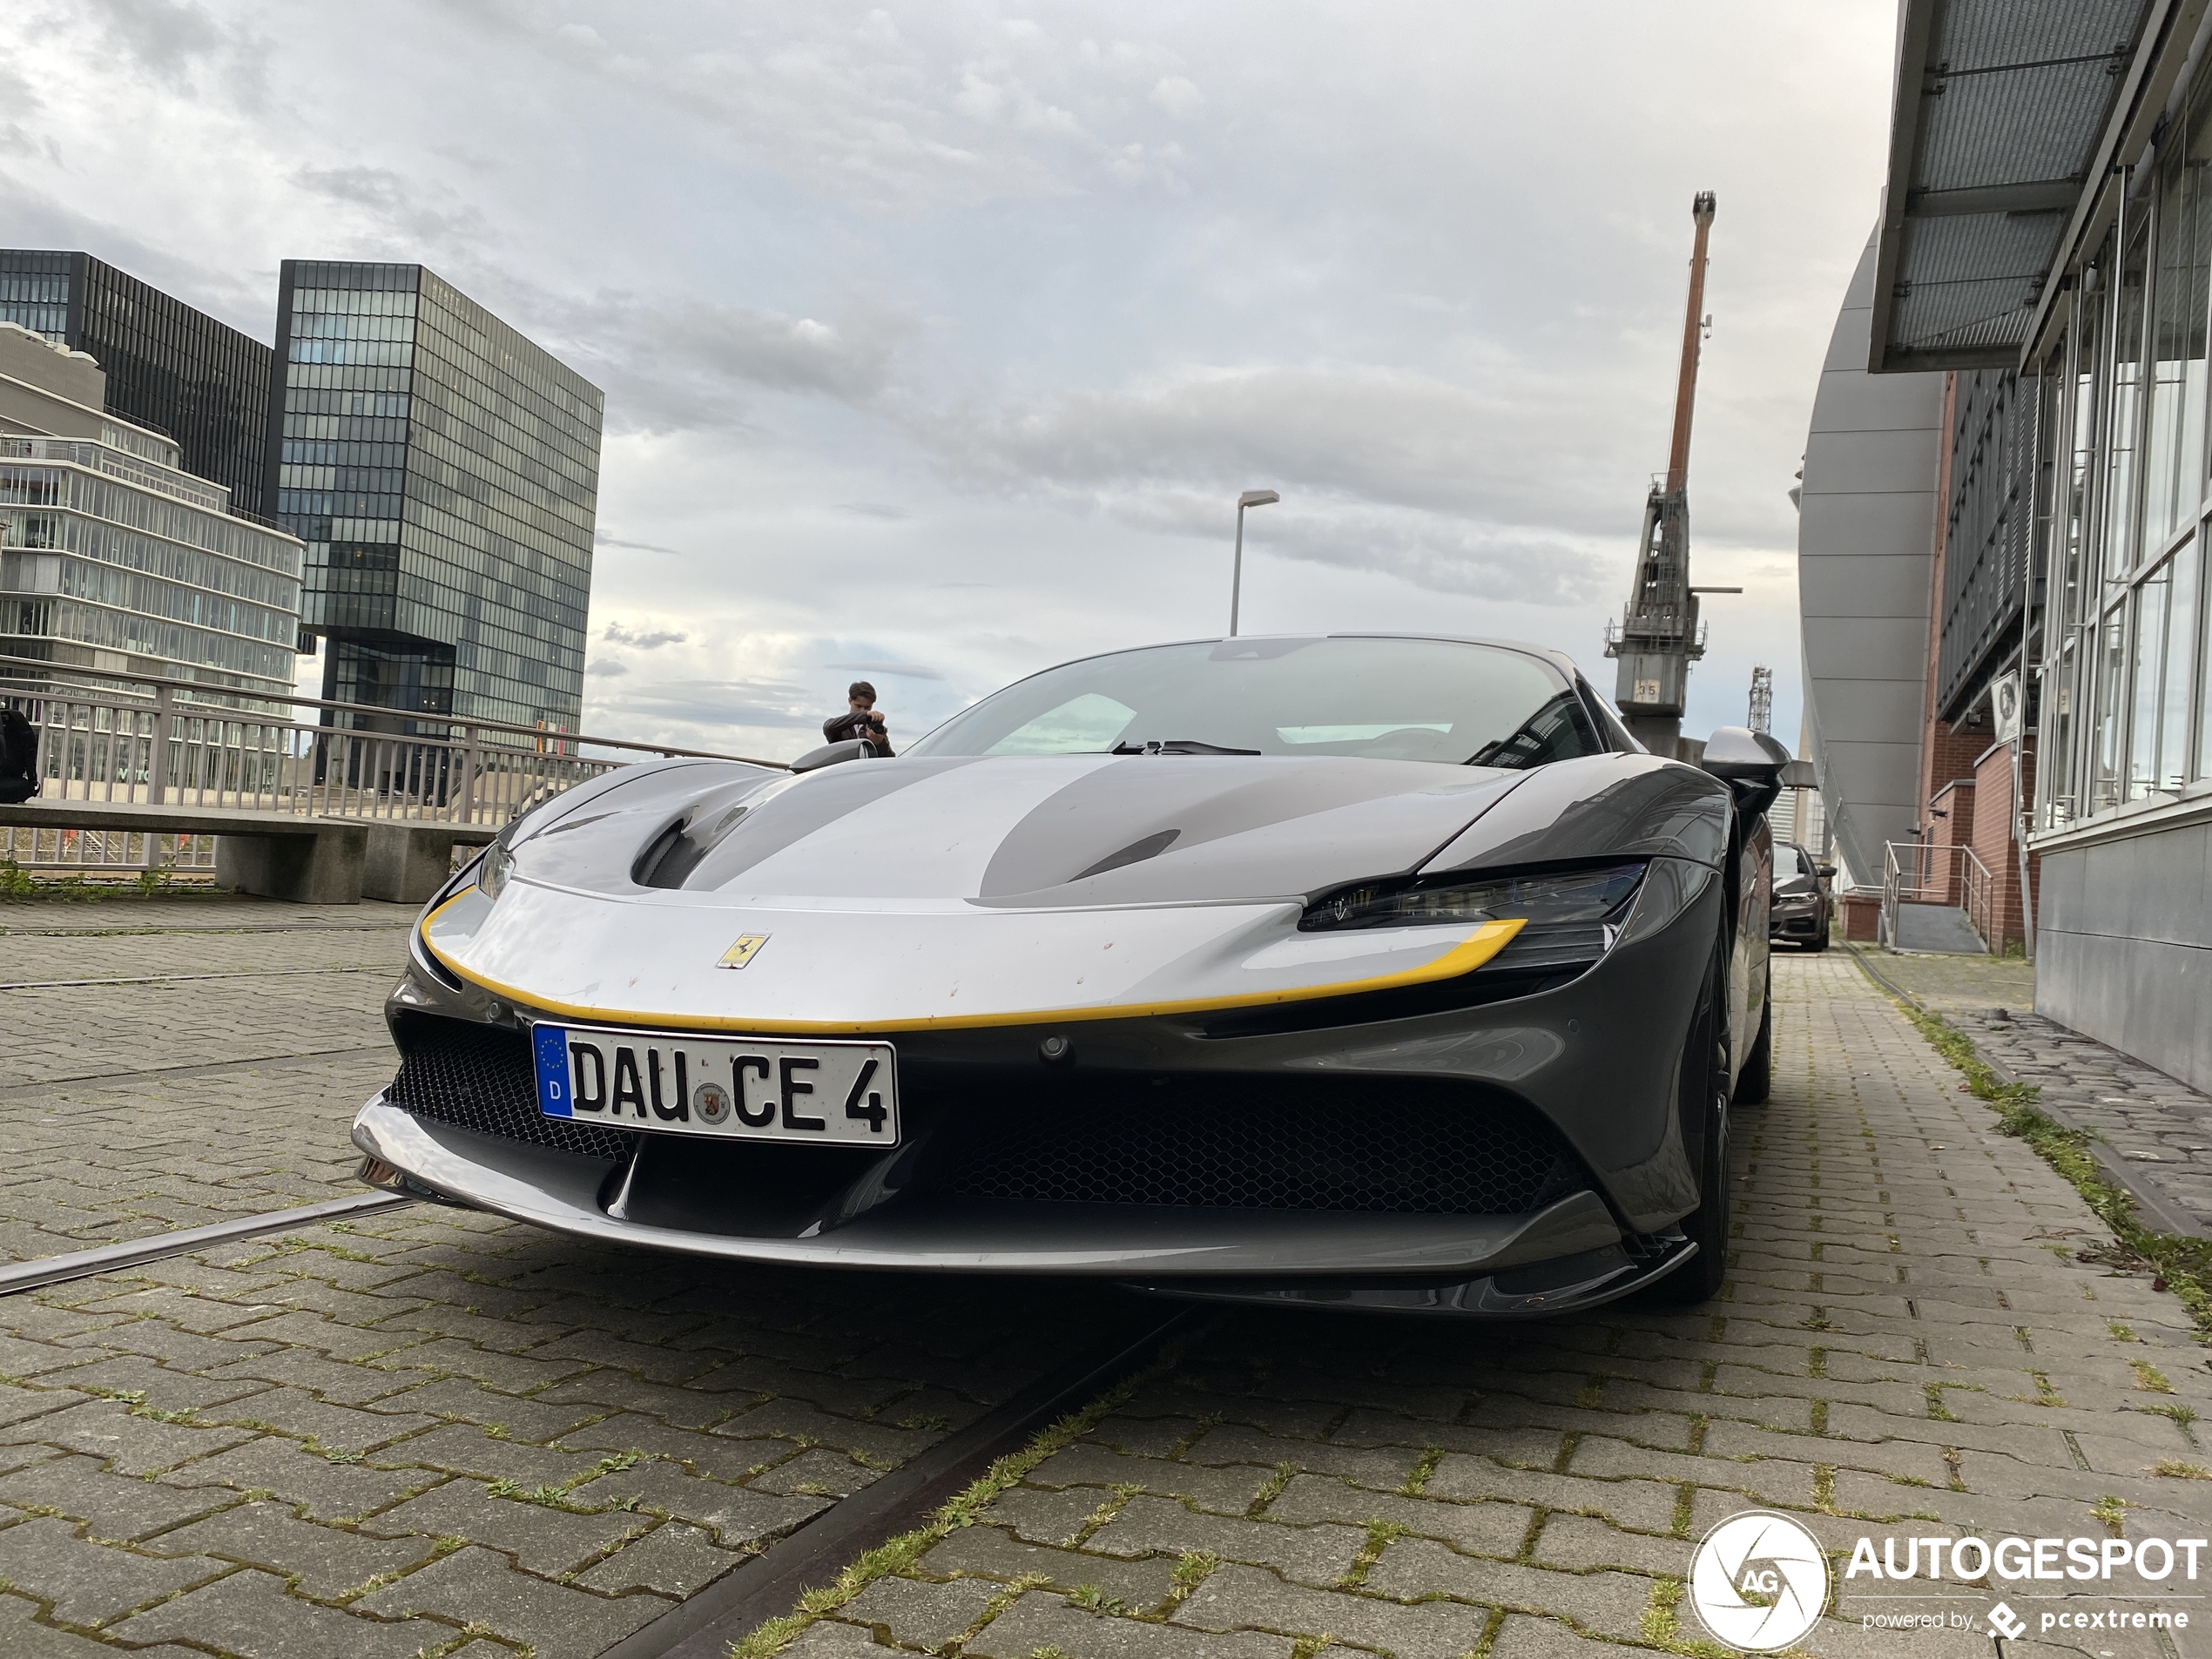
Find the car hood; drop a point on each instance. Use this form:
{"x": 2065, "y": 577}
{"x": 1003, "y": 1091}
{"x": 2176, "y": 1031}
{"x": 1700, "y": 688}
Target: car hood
{"x": 902, "y": 892}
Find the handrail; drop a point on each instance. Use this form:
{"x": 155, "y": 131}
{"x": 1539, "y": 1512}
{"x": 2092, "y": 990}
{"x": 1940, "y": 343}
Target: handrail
{"x": 200, "y": 694}
{"x": 1950, "y": 873}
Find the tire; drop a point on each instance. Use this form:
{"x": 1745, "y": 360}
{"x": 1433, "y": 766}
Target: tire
{"x": 1818, "y": 941}
{"x": 1700, "y": 1278}
{"x": 1755, "y": 1082}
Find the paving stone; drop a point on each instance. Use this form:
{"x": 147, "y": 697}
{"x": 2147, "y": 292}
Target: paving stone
{"x": 818, "y": 1474}
{"x": 920, "y": 1614}
{"x": 737, "y": 1515}
{"x": 130, "y": 1445}
{"x": 113, "y": 1506}
{"x": 1314, "y": 1554}
{"x": 1383, "y": 1469}
{"x": 1487, "y": 1528}
{"x": 994, "y": 1554}
{"x": 458, "y": 1449}
{"x": 1226, "y": 1490}
{"x": 672, "y": 1559}
{"x": 1044, "y": 1620}
{"x": 250, "y": 1614}
{"x": 167, "y": 1389}
{"x": 326, "y": 1560}
{"x": 1245, "y": 1597}
{"x": 540, "y": 1537}
{"x": 1608, "y": 1603}
{"x": 1047, "y": 1517}
{"x": 295, "y": 1412}
{"x": 475, "y": 1586}
{"x": 520, "y": 1418}
{"x": 828, "y": 1639}
{"x": 87, "y": 1582}
{"x": 23, "y": 1637}
{"x": 329, "y": 1490}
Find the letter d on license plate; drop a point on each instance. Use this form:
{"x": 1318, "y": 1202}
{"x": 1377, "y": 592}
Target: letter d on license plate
{"x": 748, "y": 1089}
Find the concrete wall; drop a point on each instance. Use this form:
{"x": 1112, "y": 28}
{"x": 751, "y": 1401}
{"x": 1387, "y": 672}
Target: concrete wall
{"x": 44, "y": 388}
{"x": 2124, "y": 947}
{"x": 1866, "y": 522}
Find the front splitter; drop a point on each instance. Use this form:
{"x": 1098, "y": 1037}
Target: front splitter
{"x": 562, "y": 1191}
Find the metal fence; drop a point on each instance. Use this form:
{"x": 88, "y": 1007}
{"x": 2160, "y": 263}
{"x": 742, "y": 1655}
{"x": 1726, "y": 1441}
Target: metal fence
{"x": 1923, "y": 872}
{"x": 105, "y": 736}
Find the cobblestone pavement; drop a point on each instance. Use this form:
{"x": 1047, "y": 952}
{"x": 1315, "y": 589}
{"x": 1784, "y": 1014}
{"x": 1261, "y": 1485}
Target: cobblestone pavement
{"x": 2155, "y": 1130}
{"x": 428, "y": 1431}
{"x": 172, "y": 1062}
{"x": 434, "y": 1432}
{"x": 1907, "y": 1343}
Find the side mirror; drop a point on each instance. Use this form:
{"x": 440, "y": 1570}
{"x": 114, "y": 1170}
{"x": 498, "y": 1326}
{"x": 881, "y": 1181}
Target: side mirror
{"x": 1825, "y": 872}
{"x": 829, "y": 753}
{"x": 1750, "y": 763}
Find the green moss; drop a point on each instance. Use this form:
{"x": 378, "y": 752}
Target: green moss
{"x": 963, "y": 1510}
{"x": 2181, "y": 1265}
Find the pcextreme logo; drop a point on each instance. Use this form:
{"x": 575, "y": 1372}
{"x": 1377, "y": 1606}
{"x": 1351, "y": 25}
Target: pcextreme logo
{"x": 1759, "y": 1581}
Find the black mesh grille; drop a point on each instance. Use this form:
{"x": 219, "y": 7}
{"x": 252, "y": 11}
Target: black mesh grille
{"x": 479, "y": 1078}
{"x": 1349, "y": 1151}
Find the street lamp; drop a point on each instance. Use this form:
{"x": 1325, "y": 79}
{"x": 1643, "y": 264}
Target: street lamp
{"x": 1250, "y": 498}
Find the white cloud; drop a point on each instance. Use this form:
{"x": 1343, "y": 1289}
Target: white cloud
{"x": 1179, "y": 96}
{"x": 945, "y": 334}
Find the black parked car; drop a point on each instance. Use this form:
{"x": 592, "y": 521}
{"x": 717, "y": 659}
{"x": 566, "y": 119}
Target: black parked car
{"x": 1804, "y": 902}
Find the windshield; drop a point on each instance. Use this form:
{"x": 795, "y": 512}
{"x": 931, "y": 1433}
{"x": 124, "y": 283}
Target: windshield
{"x": 1396, "y": 699}
{"x": 1788, "y": 867}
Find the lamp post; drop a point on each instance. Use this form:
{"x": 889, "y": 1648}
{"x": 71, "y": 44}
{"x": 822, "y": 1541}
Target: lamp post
{"x": 1250, "y": 498}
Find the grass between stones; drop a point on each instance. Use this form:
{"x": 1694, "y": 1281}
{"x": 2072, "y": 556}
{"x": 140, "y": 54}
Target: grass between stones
{"x": 964, "y": 1509}
{"x": 2181, "y": 1265}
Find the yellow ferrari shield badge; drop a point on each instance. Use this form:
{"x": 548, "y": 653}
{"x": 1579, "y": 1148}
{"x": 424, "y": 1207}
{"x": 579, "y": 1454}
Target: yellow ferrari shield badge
{"x": 747, "y": 947}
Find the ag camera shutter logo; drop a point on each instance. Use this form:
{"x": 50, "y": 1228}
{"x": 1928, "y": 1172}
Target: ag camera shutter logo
{"x": 1759, "y": 1581}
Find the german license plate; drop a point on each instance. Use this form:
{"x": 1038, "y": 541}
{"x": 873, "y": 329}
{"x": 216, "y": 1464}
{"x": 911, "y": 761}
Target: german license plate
{"x": 747, "y": 1088}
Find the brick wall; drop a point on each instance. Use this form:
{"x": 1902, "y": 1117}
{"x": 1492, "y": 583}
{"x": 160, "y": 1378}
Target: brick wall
{"x": 1992, "y": 836}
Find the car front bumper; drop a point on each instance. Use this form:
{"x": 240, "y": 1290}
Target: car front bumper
{"x": 1592, "y": 1063}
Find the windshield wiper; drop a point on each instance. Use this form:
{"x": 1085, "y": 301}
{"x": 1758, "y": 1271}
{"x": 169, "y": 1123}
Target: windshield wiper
{"x": 1177, "y": 746}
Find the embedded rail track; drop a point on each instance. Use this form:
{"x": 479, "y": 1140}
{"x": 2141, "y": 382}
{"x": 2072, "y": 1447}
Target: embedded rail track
{"x": 704, "y": 1626}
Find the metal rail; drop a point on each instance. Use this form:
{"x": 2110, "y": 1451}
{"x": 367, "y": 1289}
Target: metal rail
{"x": 1925, "y": 872}
{"x": 132, "y": 1252}
{"x": 769, "y": 1585}
{"x": 110, "y": 736}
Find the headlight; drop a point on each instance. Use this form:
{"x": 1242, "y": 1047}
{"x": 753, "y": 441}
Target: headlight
{"x": 1538, "y": 898}
{"x": 497, "y": 863}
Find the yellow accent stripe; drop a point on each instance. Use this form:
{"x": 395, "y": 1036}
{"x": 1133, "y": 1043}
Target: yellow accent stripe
{"x": 1468, "y": 954}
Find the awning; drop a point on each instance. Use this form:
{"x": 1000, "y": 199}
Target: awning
{"x": 2006, "y": 110}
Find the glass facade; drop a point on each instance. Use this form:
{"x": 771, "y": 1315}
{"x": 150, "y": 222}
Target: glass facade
{"x": 2123, "y": 715}
{"x": 168, "y": 365}
{"x": 110, "y": 559}
{"x": 443, "y": 472}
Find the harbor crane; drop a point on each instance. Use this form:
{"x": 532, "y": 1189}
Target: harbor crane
{"x": 1658, "y": 635}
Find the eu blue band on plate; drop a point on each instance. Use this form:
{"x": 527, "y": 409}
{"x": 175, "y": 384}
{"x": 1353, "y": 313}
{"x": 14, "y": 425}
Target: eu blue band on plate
{"x": 552, "y": 1042}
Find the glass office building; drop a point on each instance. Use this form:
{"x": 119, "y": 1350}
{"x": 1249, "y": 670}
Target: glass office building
{"x": 443, "y": 472}
{"x": 2047, "y": 241}
{"x": 113, "y": 556}
{"x": 196, "y": 380}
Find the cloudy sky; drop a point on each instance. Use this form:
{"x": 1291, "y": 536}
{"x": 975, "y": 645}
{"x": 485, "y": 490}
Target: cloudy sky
{"x": 937, "y": 338}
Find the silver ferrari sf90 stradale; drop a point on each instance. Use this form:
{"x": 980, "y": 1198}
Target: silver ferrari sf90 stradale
{"x": 1352, "y": 970}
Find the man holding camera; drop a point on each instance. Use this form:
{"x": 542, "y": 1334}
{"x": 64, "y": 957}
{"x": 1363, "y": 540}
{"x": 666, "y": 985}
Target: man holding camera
{"x": 859, "y": 720}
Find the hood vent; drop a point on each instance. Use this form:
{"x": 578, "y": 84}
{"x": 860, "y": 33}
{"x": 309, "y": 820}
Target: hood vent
{"x": 1136, "y": 853}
